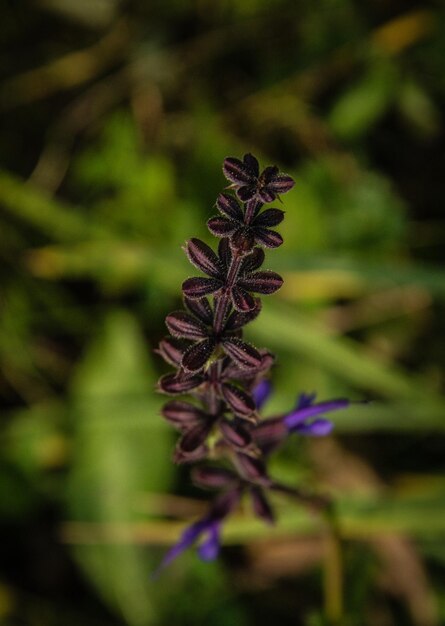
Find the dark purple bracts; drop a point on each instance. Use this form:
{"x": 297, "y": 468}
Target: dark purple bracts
{"x": 225, "y": 377}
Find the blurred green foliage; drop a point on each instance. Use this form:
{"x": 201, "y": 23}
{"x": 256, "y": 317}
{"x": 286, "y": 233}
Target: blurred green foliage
{"x": 116, "y": 118}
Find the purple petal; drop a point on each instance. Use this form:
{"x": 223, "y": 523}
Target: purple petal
{"x": 246, "y": 193}
{"x": 306, "y": 399}
{"x": 252, "y": 261}
{"x": 237, "y": 320}
{"x": 224, "y": 253}
{"x": 182, "y": 414}
{"x": 182, "y": 324}
{"x": 187, "y": 538}
{"x": 265, "y": 195}
{"x": 269, "y": 174}
{"x": 203, "y": 257}
{"x": 267, "y": 238}
{"x": 242, "y": 240}
{"x": 195, "y": 437}
{"x": 281, "y": 183}
{"x": 235, "y": 433}
{"x": 269, "y": 217}
{"x": 199, "y": 287}
{"x": 197, "y": 355}
{"x": 251, "y": 468}
{"x": 222, "y": 226}
{"x": 251, "y": 164}
{"x": 261, "y": 393}
{"x": 242, "y": 300}
{"x": 198, "y": 454}
{"x": 201, "y": 308}
{"x": 229, "y": 207}
{"x": 268, "y": 434}
{"x": 240, "y": 402}
{"x": 261, "y": 506}
{"x": 253, "y": 207}
{"x": 244, "y": 354}
{"x": 213, "y": 477}
{"x": 209, "y": 549}
{"x": 236, "y": 171}
{"x": 265, "y": 282}
{"x": 171, "y": 350}
{"x": 299, "y": 416}
{"x": 318, "y": 428}
{"x": 175, "y": 384}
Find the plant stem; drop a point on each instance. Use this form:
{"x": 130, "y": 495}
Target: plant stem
{"x": 333, "y": 575}
{"x": 222, "y": 302}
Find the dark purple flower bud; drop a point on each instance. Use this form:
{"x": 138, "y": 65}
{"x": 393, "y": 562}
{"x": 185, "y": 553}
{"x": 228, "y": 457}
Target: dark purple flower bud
{"x": 261, "y": 506}
{"x": 241, "y": 352}
{"x": 269, "y": 434}
{"x": 248, "y": 192}
{"x": 182, "y": 414}
{"x": 235, "y": 433}
{"x": 201, "y": 308}
{"x": 182, "y": 324}
{"x": 268, "y": 238}
{"x": 196, "y": 356}
{"x": 252, "y": 468}
{"x": 175, "y": 384}
{"x": 265, "y": 282}
{"x": 269, "y": 217}
{"x": 221, "y": 226}
{"x": 240, "y": 401}
{"x": 203, "y": 257}
{"x": 229, "y": 207}
{"x": 199, "y": 287}
{"x": 213, "y": 477}
{"x": 225, "y": 503}
{"x": 224, "y": 253}
{"x": 281, "y": 183}
{"x": 171, "y": 350}
{"x": 195, "y": 436}
{"x": 238, "y": 320}
{"x": 242, "y": 300}
{"x": 198, "y": 454}
{"x": 252, "y": 261}
{"x": 243, "y": 240}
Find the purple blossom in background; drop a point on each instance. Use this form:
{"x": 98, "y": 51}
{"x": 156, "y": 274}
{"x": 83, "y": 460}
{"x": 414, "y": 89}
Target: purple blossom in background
{"x": 227, "y": 378}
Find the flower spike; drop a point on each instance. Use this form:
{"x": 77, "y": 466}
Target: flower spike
{"x": 225, "y": 377}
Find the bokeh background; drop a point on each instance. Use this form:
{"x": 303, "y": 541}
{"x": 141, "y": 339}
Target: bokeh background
{"x": 115, "y": 119}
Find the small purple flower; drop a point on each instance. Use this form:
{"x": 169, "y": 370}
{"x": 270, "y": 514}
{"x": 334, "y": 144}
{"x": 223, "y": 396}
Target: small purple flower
{"x": 261, "y": 393}
{"x": 208, "y": 527}
{"x": 270, "y": 433}
{"x": 300, "y": 419}
{"x": 249, "y": 183}
{"x": 209, "y": 548}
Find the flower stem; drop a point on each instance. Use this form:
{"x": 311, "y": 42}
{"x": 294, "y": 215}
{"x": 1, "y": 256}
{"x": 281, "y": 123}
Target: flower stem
{"x": 222, "y": 302}
{"x": 333, "y": 574}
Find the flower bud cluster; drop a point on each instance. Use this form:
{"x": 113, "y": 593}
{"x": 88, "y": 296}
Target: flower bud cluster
{"x": 224, "y": 376}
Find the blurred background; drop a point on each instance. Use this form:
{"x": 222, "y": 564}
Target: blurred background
{"x": 116, "y": 116}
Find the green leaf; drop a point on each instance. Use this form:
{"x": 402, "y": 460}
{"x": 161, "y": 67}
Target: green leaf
{"x": 362, "y": 105}
{"x": 120, "y": 452}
